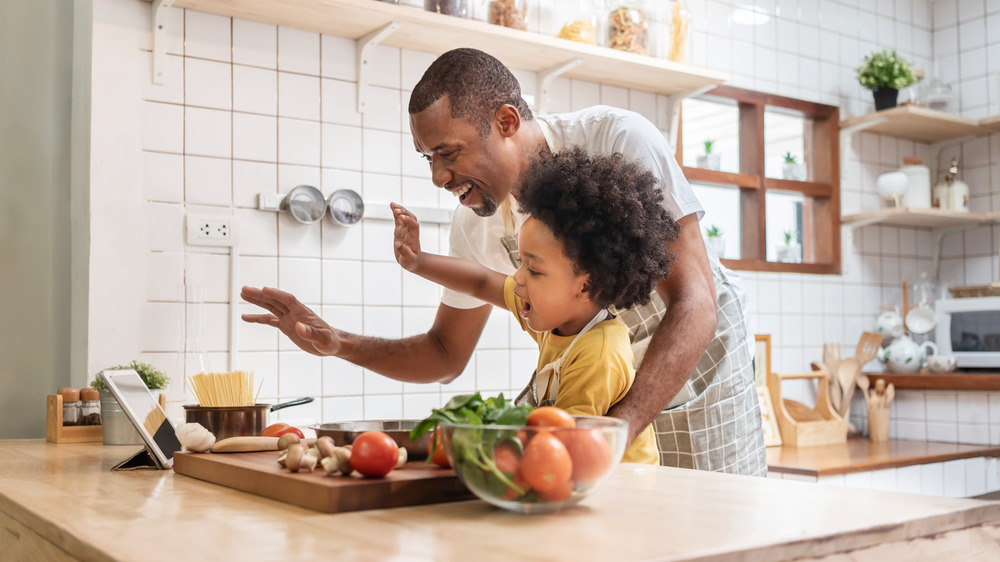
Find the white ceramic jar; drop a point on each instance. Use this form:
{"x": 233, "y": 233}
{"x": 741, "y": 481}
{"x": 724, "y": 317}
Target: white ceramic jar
{"x": 918, "y": 190}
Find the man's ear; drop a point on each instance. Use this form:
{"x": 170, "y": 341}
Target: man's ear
{"x": 507, "y": 119}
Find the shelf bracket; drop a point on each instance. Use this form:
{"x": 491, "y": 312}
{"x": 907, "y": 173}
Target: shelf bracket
{"x": 674, "y": 110}
{"x": 159, "y": 17}
{"x": 937, "y": 235}
{"x": 545, "y": 78}
{"x": 365, "y": 47}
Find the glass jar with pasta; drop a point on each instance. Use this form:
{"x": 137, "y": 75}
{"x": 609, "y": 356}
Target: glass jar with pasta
{"x": 628, "y": 26}
{"x": 576, "y": 20}
{"x": 507, "y": 13}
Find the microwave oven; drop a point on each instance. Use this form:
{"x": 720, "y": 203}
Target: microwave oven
{"x": 969, "y": 329}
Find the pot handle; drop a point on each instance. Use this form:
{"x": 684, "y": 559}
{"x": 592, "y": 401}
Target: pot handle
{"x": 297, "y": 402}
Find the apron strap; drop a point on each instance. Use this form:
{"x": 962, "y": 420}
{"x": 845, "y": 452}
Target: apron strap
{"x": 543, "y": 388}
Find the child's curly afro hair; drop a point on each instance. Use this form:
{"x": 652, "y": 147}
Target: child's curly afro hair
{"x": 606, "y": 212}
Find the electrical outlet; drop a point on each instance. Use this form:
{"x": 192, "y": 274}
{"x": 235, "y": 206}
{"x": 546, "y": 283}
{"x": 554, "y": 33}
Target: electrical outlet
{"x": 211, "y": 230}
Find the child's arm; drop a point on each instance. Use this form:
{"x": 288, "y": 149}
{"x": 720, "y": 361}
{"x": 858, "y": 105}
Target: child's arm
{"x": 464, "y": 276}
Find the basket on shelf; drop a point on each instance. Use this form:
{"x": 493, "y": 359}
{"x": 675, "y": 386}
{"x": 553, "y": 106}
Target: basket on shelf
{"x": 991, "y": 290}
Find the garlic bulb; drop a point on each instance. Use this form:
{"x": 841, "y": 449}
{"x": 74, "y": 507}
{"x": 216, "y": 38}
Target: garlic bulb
{"x": 195, "y": 438}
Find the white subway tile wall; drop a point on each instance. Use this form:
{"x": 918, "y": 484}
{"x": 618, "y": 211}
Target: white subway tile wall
{"x": 252, "y": 108}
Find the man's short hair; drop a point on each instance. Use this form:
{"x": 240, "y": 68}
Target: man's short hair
{"x": 607, "y": 212}
{"x": 476, "y": 83}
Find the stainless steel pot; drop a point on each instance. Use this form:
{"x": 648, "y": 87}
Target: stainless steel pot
{"x": 344, "y": 433}
{"x": 231, "y": 421}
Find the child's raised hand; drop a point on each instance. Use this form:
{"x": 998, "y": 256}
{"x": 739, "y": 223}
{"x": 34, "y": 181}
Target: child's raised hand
{"x": 406, "y": 237}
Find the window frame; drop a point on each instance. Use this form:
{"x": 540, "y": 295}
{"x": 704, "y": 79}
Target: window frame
{"x": 821, "y": 209}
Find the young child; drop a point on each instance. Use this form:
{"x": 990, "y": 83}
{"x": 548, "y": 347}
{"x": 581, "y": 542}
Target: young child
{"x": 593, "y": 240}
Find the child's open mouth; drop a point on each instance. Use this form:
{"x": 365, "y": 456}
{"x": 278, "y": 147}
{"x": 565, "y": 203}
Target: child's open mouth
{"x": 525, "y": 308}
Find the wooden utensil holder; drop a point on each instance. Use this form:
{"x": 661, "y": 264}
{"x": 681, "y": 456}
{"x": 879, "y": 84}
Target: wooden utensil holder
{"x": 56, "y": 432}
{"x": 800, "y": 425}
{"x": 878, "y": 424}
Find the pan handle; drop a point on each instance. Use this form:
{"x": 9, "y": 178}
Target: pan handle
{"x": 297, "y": 402}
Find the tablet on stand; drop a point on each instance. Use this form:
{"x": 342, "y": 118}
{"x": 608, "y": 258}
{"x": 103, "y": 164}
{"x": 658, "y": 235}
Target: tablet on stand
{"x": 148, "y": 418}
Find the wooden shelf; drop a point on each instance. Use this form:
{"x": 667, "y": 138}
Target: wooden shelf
{"x": 435, "y": 33}
{"x": 991, "y": 124}
{"x": 919, "y": 218}
{"x": 931, "y": 381}
{"x": 861, "y": 455}
{"x": 916, "y": 123}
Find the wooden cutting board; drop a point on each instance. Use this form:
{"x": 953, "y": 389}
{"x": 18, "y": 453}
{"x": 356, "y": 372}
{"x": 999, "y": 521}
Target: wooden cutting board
{"x": 259, "y": 473}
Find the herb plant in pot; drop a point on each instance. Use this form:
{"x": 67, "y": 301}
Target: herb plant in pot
{"x": 716, "y": 240}
{"x": 792, "y": 169}
{"x": 709, "y": 160}
{"x": 790, "y": 251}
{"x": 118, "y": 429}
{"x": 884, "y": 73}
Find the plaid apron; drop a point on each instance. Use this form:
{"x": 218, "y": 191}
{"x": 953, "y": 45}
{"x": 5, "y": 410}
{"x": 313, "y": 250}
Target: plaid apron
{"x": 714, "y": 423}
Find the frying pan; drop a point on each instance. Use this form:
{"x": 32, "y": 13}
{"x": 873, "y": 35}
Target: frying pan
{"x": 231, "y": 421}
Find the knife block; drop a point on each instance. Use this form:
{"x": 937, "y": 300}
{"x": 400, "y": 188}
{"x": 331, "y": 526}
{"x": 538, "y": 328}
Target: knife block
{"x": 801, "y": 426}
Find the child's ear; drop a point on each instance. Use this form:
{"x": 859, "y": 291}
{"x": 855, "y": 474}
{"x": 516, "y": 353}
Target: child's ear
{"x": 585, "y": 293}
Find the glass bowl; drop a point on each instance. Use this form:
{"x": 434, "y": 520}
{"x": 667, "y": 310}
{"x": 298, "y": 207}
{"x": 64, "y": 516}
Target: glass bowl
{"x": 535, "y": 469}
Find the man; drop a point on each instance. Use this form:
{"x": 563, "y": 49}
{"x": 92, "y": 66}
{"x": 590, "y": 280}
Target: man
{"x": 469, "y": 121}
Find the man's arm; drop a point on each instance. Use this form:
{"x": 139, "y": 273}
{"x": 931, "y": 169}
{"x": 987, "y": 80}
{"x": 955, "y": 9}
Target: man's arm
{"x": 440, "y": 355}
{"x": 683, "y": 335}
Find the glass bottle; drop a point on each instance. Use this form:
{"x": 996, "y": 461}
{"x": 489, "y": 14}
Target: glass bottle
{"x": 680, "y": 26}
{"x": 628, "y": 27}
{"x": 458, "y": 8}
{"x": 90, "y": 406}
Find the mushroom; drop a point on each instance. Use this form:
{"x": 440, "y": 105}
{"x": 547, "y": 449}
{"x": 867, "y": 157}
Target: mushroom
{"x": 293, "y": 457}
{"x": 343, "y": 455}
{"x": 308, "y": 463}
{"x": 287, "y": 439}
{"x": 402, "y": 458}
{"x": 325, "y": 446}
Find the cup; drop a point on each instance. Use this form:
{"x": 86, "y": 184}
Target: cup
{"x": 920, "y": 320}
{"x": 890, "y": 325}
{"x": 941, "y": 363}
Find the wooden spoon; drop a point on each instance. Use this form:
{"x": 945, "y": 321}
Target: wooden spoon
{"x": 863, "y": 385}
{"x": 847, "y": 373}
{"x": 890, "y": 393}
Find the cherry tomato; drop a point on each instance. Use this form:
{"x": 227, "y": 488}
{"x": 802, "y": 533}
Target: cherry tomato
{"x": 437, "y": 455}
{"x": 271, "y": 430}
{"x": 550, "y": 416}
{"x": 506, "y": 457}
{"x": 558, "y": 493}
{"x": 591, "y": 455}
{"x": 374, "y": 454}
{"x": 546, "y": 463}
{"x": 290, "y": 429}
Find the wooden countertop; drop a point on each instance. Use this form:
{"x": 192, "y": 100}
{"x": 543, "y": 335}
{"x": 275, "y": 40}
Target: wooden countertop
{"x": 62, "y": 501}
{"x": 862, "y": 455}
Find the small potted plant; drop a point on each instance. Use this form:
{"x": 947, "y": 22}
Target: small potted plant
{"x": 884, "y": 73}
{"x": 716, "y": 241}
{"x": 709, "y": 160}
{"x": 790, "y": 251}
{"x": 792, "y": 169}
{"x": 118, "y": 430}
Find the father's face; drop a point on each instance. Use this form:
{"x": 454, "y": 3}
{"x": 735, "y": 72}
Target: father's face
{"x": 470, "y": 167}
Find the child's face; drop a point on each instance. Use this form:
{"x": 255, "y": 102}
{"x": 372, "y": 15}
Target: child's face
{"x": 553, "y": 293}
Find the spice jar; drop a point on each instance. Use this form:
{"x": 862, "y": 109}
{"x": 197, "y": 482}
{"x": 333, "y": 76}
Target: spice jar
{"x": 90, "y": 407}
{"x": 576, "y": 20}
{"x": 71, "y": 406}
{"x": 458, "y": 8}
{"x": 628, "y": 27}
{"x": 508, "y": 13}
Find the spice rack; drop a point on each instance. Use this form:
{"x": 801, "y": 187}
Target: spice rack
{"x": 56, "y": 432}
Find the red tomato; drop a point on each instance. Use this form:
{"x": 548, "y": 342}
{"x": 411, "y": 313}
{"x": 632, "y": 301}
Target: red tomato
{"x": 290, "y": 429}
{"x": 271, "y": 430}
{"x": 506, "y": 458}
{"x": 546, "y": 463}
{"x": 374, "y": 454}
{"x": 591, "y": 455}
{"x": 558, "y": 493}
{"x": 437, "y": 455}
{"x": 550, "y": 416}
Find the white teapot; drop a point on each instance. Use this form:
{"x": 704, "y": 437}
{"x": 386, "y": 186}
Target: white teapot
{"x": 905, "y": 355}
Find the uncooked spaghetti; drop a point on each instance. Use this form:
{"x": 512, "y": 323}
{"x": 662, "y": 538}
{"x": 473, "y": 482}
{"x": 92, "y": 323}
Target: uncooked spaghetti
{"x": 224, "y": 389}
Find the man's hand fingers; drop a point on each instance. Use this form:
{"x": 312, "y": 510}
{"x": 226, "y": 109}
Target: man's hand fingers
{"x": 268, "y": 319}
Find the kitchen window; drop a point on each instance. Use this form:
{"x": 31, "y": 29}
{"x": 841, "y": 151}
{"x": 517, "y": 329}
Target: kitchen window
{"x": 765, "y": 167}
